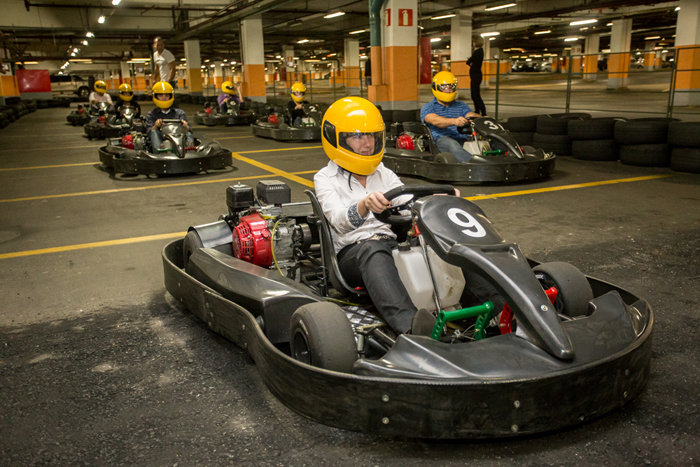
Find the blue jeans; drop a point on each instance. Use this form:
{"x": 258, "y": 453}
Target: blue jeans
{"x": 157, "y": 140}
{"x": 447, "y": 144}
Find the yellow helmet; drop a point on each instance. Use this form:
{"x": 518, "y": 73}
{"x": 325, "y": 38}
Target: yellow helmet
{"x": 100, "y": 86}
{"x": 353, "y": 135}
{"x": 444, "y": 86}
{"x": 163, "y": 87}
{"x": 126, "y": 93}
{"x": 298, "y": 91}
{"x": 228, "y": 87}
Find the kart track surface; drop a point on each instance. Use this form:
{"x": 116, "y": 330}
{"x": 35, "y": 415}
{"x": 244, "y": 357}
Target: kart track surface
{"x": 100, "y": 365}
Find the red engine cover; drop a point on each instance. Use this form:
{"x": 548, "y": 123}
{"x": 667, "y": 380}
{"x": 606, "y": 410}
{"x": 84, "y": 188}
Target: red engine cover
{"x": 272, "y": 119}
{"x": 128, "y": 141}
{"x": 405, "y": 142}
{"x": 251, "y": 240}
{"x": 208, "y": 110}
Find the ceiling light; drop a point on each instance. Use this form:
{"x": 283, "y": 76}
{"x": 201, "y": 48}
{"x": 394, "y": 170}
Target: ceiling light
{"x": 278, "y": 56}
{"x": 490, "y": 34}
{"x": 75, "y": 50}
{"x": 444, "y": 16}
{"x": 101, "y": 19}
{"x": 359, "y": 31}
{"x": 212, "y": 65}
{"x": 89, "y": 34}
{"x": 116, "y": 2}
{"x": 85, "y": 42}
{"x": 651, "y": 38}
{"x": 72, "y": 54}
{"x": 435, "y": 39}
{"x": 492, "y": 38}
{"x": 609, "y": 24}
{"x": 537, "y": 33}
{"x": 499, "y": 7}
{"x": 570, "y": 39}
{"x": 303, "y": 41}
{"x": 677, "y": 8}
{"x": 583, "y": 21}
{"x": 334, "y": 15}
{"x": 233, "y": 62}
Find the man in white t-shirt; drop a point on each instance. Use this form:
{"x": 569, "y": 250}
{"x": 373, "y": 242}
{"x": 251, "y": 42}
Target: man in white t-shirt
{"x": 164, "y": 62}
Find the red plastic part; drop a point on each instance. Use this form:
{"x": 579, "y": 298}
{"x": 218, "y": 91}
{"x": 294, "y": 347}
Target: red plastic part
{"x": 128, "y": 141}
{"x": 405, "y": 142}
{"x": 208, "y": 110}
{"x": 504, "y": 324}
{"x": 272, "y": 119}
{"x": 252, "y": 242}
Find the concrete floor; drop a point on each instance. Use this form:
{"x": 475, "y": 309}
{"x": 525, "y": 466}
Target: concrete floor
{"x": 98, "y": 365}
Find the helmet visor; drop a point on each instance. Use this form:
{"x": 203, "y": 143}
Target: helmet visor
{"x": 447, "y": 87}
{"x": 298, "y": 93}
{"x": 363, "y": 144}
{"x": 163, "y": 96}
{"x": 127, "y": 93}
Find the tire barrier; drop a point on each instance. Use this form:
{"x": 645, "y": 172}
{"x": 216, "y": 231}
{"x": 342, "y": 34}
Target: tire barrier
{"x": 552, "y": 132}
{"x": 684, "y": 139}
{"x": 593, "y": 139}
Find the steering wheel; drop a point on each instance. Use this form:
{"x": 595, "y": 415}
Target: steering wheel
{"x": 392, "y": 215}
{"x": 466, "y": 129}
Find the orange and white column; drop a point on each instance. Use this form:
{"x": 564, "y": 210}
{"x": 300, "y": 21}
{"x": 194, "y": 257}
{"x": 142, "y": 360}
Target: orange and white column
{"x": 619, "y": 60}
{"x": 687, "y": 85}
{"x": 590, "y": 61}
{"x": 398, "y": 57}
{"x": 193, "y": 63}
{"x": 461, "y": 47}
{"x": 253, "y": 59}
{"x": 8, "y": 81}
{"x": 352, "y": 67}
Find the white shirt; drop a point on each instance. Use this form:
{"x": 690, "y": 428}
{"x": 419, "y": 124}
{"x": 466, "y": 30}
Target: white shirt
{"x": 162, "y": 62}
{"x": 339, "y": 192}
{"x": 95, "y": 97}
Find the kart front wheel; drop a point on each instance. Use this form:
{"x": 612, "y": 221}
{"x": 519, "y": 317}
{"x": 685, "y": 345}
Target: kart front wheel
{"x": 573, "y": 287}
{"x": 321, "y": 335}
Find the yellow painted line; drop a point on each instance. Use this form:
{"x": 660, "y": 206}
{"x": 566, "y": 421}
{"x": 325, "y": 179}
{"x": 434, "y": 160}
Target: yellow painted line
{"x": 269, "y": 168}
{"x": 566, "y": 187}
{"x": 77, "y": 164}
{"x": 280, "y": 149}
{"x": 84, "y": 246}
{"x": 217, "y": 138}
{"x": 148, "y": 187}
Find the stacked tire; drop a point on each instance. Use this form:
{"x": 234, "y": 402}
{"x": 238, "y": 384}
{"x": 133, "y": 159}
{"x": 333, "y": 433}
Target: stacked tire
{"x": 522, "y": 128}
{"x": 593, "y": 139}
{"x": 684, "y": 139}
{"x": 552, "y": 132}
{"x": 643, "y": 141}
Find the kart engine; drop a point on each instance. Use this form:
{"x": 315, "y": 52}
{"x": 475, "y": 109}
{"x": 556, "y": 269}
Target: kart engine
{"x": 269, "y": 231}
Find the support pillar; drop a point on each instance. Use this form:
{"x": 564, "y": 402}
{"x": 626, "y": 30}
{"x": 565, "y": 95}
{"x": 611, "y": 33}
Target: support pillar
{"x": 218, "y": 75}
{"x": 461, "y": 47}
{"x": 253, "y": 59}
{"x": 649, "y": 55}
{"x": 619, "y": 61}
{"x": 125, "y": 72}
{"x": 352, "y": 67}
{"x": 576, "y": 59}
{"x": 398, "y": 59}
{"x": 590, "y": 61}
{"x": 8, "y": 80}
{"x": 288, "y": 57}
{"x": 687, "y": 84}
{"x": 193, "y": 61}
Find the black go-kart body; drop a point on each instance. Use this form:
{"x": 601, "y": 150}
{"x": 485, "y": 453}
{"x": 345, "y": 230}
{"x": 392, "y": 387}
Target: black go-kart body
{"x": 496, "y": 155}
{"x": 262, "y": 277}
{"x": 282, "y": 128}
{"x": 113, "y": 125}
{"x": 236, "y": 114}
{"x": 177, "y": 158}
{"x": 81, "y": 115}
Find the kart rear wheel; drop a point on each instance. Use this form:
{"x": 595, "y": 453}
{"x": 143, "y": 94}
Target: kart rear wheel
{"x": 321, "y": 335}
{"x": 189, "y": 245}
{"x": 574, "y": 290}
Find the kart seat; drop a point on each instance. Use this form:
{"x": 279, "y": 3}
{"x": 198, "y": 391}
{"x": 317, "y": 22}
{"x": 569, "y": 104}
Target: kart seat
{"x": 330, "y": 270}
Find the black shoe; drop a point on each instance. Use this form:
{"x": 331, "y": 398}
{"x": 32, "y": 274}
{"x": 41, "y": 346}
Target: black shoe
{"x": 423, "y": 323}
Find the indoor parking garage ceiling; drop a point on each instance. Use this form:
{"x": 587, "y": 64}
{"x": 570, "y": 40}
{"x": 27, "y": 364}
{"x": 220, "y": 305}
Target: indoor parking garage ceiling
{"x": 52, "y": 29}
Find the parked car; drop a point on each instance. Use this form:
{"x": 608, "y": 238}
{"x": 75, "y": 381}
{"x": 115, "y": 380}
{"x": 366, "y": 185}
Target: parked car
{"x": 70, "y": 84}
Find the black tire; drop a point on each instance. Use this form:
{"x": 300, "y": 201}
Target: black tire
{"x": 574, "y": 290}
{"x": 592, "y": 129}
{"x": 685, "y": 159}
{"x": 649, "y": 155}
{"x": 641, "y": 131}
{"x": 521, "y": 124}
{"x": 557, "y": 124}
{"x": 189, "y": 245}
{"x": 522, "y": 137}
{"x": 558, "y": 144}
{"x": 685, "y": 134}
{"x": 321, "y": 335}
{"x": 446, "y": 158}
{"x": 595, "y": 150}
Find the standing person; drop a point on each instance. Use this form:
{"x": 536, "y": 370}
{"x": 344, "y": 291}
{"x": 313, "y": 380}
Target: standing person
{"x": 163, "y": 98}
{"x": 475, "y": 75}
{"x": 164, "y": 62}
{"x": 350, "y": 190}
{"x": 444, "y": 114}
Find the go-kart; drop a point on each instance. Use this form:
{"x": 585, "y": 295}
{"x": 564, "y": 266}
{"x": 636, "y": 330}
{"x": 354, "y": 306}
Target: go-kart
{"x": 496, "y": 155}
{"x": 79, "y": 116}
{"x": 558, "y": 349}
{"x": 236, "y": 114}
{"x": 278, "y": 125}
{"x": 113, "y": 125}
{"x": 132, "y": 153}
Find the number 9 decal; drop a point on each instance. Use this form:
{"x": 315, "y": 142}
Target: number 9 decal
{"x": 463, "y": 219}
